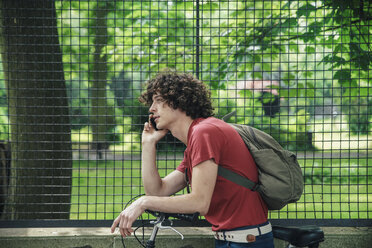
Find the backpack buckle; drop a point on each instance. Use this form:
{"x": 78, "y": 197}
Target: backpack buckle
{"x": 255, "y": 187}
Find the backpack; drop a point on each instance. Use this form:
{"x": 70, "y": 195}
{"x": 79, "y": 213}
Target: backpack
{"x": 280, "y": 179}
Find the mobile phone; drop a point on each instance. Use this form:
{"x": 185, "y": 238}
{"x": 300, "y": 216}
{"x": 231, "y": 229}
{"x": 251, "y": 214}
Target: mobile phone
{"x": 153, "y": 123}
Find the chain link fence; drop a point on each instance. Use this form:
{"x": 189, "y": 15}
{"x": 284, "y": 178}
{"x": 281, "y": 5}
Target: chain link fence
{"x": 71, "y": 73}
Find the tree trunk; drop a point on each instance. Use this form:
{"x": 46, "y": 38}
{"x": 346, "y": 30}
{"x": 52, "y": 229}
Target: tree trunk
{"x": 41, "y": 166}
{"x": 101, "y": 114}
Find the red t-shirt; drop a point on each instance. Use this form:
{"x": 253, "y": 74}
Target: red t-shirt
{"x": 232, "y": 205}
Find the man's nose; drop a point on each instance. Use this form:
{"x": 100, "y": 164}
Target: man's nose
{"x": 152, "y": 107}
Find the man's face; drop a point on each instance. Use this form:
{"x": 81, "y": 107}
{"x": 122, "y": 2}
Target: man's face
{"x": 162, "y": 113}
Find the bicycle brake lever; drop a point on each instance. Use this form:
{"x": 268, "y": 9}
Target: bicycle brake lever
{"x": 158, "y": 221}
{"x": 170, "y": 227}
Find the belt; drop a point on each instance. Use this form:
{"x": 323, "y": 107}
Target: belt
{"x": 243, "y": 236}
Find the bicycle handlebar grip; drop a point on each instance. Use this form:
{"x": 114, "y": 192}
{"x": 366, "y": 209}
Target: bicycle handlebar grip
{"x": 187, "y": 217}
{"x": 154, "y": 213}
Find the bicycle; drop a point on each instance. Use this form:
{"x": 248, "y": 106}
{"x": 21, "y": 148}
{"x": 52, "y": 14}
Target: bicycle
{"x": 299, "y": 236}
{"x": 296, "y": 236}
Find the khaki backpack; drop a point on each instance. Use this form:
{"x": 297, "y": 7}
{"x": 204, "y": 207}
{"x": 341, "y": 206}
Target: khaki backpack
{"x": 280, "y": 179}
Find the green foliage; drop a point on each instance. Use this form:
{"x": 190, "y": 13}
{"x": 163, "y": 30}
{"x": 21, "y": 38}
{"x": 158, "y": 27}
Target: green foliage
{"x": 292, "y": 133}
{"x": 239, "y": 40}
{"x": 358, "y": 112}
{"x": 147, "y": 43}
{"x": 78, "y": 96}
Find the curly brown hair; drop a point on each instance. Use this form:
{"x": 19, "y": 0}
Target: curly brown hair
{"x": 180, "y": 91}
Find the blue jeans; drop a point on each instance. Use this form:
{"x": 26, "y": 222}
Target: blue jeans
{"x": 262, "y": 241}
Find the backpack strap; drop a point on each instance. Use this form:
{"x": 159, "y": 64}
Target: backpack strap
{"x": 236, "y": 178}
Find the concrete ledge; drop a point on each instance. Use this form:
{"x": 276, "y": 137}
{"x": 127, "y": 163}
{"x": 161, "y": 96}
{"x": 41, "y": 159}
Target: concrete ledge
{"x": 337, "y": 237}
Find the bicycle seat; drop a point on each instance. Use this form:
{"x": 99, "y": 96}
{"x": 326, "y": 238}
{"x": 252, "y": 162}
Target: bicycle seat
{"x": 301, "y": 236}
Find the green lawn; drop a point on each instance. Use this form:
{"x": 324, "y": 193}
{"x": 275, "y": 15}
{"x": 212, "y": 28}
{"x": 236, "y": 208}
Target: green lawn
{"x": 333, "y": 134}
{"x": 335, "y": 188}
{"x": 100, "y": 190}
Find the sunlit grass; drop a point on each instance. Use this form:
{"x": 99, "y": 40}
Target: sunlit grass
{"x": 335, "y": 188}
{"x": 330, "y": 202}
{"x": 333, "y": 134}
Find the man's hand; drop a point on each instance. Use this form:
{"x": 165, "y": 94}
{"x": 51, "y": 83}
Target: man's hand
{"x": 126, "y": 218}
{"x": 150, "y": 135}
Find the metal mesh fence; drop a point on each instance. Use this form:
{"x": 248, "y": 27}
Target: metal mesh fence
{"x": 71, "y": 73}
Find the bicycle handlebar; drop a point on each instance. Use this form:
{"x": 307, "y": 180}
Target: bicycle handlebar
{"x": 187, "y": 217}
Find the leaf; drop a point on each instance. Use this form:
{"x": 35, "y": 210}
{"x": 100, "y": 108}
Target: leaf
{"x": 365, "y": 91}
{"x": 293, "y": 47}
{"x": 305, "y": 10}
{"x": 310, "y": 49}
{"x": 308, "y": 73}
{"x": 333, "y": 60}
{"x": 287, "y": 5}
{"x": 310, "y": 92}
{"x": 208, "y": 6}
{"x": 293, "y": 93}
{"x": 308, "y": 36}
{"x": 343, "y": 77}
{"x": 350, "y": 92}
{"x": 340, "y": 48}
{"x": 289, "y": 23}
{"x": 360, "y": 57}
{"x": 314, "y": 31}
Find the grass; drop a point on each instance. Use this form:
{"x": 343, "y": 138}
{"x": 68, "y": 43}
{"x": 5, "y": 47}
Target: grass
{"x": 334, "y": 189}
{"x": 100, "y": 190}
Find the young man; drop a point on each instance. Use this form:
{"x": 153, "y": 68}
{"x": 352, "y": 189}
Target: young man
{"x": 181, "y": 104}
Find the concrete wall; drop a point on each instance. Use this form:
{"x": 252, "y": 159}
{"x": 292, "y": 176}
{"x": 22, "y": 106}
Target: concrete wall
{"x": 335, "y": 237}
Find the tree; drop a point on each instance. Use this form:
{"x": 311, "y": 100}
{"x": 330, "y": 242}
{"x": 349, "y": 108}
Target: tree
{"x": 41, "y": 166}
{"x": 338, "y": 28}
{"x": 101, "y": 120}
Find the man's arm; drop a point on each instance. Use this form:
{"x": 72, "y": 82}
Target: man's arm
{"x": 153, "y": 183}
{"x": 203, "y": 181}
